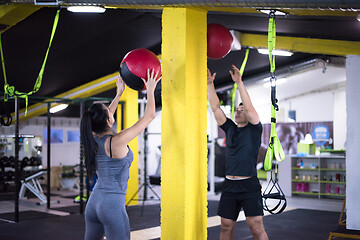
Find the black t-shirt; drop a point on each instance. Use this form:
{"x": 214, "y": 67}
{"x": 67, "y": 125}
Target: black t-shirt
{"x": 242, "y": 148}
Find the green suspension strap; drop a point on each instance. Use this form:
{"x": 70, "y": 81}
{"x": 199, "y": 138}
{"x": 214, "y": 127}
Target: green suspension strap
{"x": 273, "y": 190}
{"x": 274, "y": 142}
{"x": 233, "y": 91}
{"x": 10, "y": 90}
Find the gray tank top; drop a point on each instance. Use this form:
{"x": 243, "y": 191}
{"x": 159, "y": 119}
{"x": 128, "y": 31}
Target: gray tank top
{"x": 113, "y": 173}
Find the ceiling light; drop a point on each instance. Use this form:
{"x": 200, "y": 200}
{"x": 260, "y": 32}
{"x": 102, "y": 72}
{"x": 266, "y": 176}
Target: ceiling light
{"x": 275, "y": 52}
{"x": 358, "y": 17}
{"x": 86, "y": 9}
{"x": 278, "y": 82}
{"x": 58, "y": 108}
{"x": 277, "y": 12}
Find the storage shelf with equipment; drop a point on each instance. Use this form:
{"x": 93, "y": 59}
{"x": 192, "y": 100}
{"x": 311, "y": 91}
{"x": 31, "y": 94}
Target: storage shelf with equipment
{"x": 320, "y": 176}
{"x": 29, "y": 161}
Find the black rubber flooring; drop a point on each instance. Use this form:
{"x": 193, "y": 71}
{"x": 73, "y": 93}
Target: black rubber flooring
{"x": 25, "y": 215}
{"x": 70, "y": 227}
{"x": 292, "y": 225}
{"x": 297, "y": 224}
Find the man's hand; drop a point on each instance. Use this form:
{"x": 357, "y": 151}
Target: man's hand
{"x": 235, "y": 74}
{"x": 210, "y": 78}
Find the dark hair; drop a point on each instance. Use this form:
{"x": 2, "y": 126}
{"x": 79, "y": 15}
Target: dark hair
{"x": 93, "y": 120}
{"x": 241, "y": 104}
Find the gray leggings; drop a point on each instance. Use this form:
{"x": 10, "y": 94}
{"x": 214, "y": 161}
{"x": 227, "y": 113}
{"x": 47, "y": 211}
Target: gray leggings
{"x": 106, "y": 211}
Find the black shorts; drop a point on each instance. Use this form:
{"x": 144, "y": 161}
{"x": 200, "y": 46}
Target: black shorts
{"x": 231, "y": 202}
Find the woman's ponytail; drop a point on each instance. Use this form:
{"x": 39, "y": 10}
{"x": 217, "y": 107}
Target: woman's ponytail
{"x": 89, "y": 144}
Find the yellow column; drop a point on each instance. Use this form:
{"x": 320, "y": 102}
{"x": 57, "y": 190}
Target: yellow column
{"x": 183, "y": 131}
{"x": 131, "y": 115}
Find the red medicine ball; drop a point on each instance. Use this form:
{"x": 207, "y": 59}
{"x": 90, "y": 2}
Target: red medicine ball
{"x": 134, "y": 67}
{"x": 219, "y": 41}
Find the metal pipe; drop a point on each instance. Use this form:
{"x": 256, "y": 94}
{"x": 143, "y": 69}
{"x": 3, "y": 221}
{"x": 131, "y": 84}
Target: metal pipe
{"x": 82, "y": 105}
{"x": 17, "y": 148}
{"x": 263, "y": 4}
{"x": 122, "y": 115}
{"x": 211, "y": 164}
{"x": 287, "y": 71}
{"x": 48, "y": 154}
{"x": 145, "y": 166}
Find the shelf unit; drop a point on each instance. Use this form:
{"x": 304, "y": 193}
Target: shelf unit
{"x": 322, "y": 176}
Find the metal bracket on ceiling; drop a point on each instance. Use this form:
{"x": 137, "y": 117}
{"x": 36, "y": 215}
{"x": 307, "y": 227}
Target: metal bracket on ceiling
{"x": 272, "y": 12}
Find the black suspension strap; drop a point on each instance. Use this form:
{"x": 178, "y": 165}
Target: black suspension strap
{"x": 5, "y": 114}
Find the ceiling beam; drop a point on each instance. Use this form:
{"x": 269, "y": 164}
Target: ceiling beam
{"x": 290, "y": 11}
{"x": 11, "y": 14}
{"x": 305, "y": 45}
{"x": 84, "y": 91}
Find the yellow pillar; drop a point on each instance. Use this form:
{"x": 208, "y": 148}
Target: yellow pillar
{"x": 183, "y": 131}
{"x": 131, "y": 115}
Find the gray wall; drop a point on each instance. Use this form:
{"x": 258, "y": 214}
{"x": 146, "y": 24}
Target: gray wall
{"x": 353, "y": 142}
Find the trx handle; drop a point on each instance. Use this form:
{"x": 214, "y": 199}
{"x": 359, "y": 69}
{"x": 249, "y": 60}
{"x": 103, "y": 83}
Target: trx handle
{"x": 274, "y": 193}
{"x": 10, "y": 90}
{"x": 233, "y": 90}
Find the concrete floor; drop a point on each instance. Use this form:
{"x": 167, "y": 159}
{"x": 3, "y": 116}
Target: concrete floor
{"x": 60, "y": 200}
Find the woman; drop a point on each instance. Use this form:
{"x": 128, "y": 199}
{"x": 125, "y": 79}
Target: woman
{"x": 108, "y": 155}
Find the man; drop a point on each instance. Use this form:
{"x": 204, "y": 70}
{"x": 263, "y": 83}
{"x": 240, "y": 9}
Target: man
{"x": 241, "y": 189}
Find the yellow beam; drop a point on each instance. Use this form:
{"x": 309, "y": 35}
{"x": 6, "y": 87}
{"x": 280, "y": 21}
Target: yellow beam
{"x": 306, "y": 45}
{"x": 183, "y": 126}
{"x": 86, "y": 90}
{"x": 11, "y": 14}
{"x": 131, "y": 115}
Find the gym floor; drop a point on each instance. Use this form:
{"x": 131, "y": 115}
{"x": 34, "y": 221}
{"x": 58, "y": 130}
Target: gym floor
{"x": 304, "y": 218}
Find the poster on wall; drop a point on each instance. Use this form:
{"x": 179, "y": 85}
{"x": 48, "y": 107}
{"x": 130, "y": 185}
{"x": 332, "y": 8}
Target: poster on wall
{"x": 56, "y": 136}
{"x": 73, "y": 136}
{"x": 321, "y": 135}
{"x": 291, "y": 133}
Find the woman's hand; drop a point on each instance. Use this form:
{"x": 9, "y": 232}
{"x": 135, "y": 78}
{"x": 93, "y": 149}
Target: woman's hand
{"x": 210, "y": 78}
{"x": 120, "y": 89}
{"x": 153, "y": 79}
{"x": 120, "y": 84}
{"x": 235, "y": 74}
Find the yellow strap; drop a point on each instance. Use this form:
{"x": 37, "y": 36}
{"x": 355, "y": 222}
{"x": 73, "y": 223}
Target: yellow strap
{"x": 233, "y": 91}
